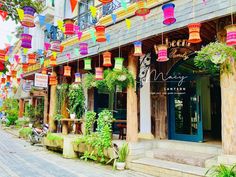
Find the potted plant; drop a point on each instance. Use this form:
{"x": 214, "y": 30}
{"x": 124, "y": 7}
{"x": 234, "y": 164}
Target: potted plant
{"x": 123, "y": 153}
{"x": 222, "y": 170}
{"x": 71, "y": 112}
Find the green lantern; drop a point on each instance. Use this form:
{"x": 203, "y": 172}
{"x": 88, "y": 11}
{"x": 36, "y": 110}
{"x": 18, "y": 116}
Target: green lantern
{"x": 119, "y": 63}
{"x": 87, "y": 63}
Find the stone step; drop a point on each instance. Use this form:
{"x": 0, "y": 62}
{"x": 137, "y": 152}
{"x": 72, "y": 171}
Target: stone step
{"x": 184, "y": 157}
{"x": 162, "y": 168}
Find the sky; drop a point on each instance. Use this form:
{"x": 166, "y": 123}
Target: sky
{"x": 6, "y": 27}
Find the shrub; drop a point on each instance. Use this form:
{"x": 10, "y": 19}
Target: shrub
{"x": 25, "y": 132}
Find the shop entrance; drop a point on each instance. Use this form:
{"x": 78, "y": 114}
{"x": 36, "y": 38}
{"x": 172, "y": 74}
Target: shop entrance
{"x": 194, "y": 104}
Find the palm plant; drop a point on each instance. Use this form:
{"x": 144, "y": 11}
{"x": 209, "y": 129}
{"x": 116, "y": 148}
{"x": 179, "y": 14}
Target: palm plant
{"x": 222, "y": 171}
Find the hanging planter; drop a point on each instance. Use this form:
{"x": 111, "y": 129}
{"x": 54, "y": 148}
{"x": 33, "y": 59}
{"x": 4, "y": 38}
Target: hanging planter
{"x": 53, "y": 61}
{"x": 194, "y": 33}
{"x": 87, "y": 64}
{"x": 52, "y": 80}
{"x": 31, "y": 58}
{"x": 26, "y": 40}
{"x": 107, "y": 59}
{"x": 100, "y": 33}
{"x": 67, "y": 71}
{"x": 69, "y": 26}
{"x": 142, "y": 10}
{"x": 231, "y": 35}
{"x": 119, "y": 63}
{"x": 28, "y": 20}
{"x": 83, "y": 46}
{"x": 99, "y": 73}
{"x": 13, "y": 73}
{"x": 162, "y": 53}
{"x": 138, "y": 48}
{"x": 3, "y": 80}
{"x": 105, "y": 1}
{"x": 25, "y": 67}
{"x": 56, "y": 46}
{"x": 77, "y": 78}
{"x": 169, "y": 16}
{"x": 44, "y": 70}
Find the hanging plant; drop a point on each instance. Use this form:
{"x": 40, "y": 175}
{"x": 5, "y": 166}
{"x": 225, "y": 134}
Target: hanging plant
{"x": 62, "y": 94}
{"x": 90, "y": 118}
{"x": 216, "y": 57}
{"x": 91, "y": 82}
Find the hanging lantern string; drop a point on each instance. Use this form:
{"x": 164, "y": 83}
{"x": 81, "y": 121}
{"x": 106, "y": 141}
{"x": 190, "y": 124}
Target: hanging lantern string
{"x": 193, "y": 12}
{"x": 232, "y": 15}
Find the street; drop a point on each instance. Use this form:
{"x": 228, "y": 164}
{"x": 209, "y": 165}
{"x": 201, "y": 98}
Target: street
{"x": 19, "y": 159}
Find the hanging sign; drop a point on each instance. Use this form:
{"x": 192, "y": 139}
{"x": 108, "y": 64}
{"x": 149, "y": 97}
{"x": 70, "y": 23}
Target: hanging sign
{"x": 41, "y": 80}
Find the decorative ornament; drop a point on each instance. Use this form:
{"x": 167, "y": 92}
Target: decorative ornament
{"x": 28, "y": 20}
{"x": 13, "y": 73}
{"x": 162, "y": 53}
{"x": 169, "y": 16}
{"x": 44, "y": 70}
{"x": 25, "y": 67}
{"x": 8, "y": 78}
{"x": 67, "y": 71}
{"x": 99, "y": 73}
{"x": 83, "y": 48}
{"x": 100, "y": 33}
{"x": 138, "y": 48}
{"x": 231, "y": 35}
{"x": 32, "y": 58}
{"x": 53, "y": 61}
{"x": 26, "y": 40}
{"x": 77, "y": 78}
{"x": 47, "y": 46}
{"x": 87, "y": 64}
{"x": 194, "y": 33}
{"x": 107, "y": 59}
{"x": 69, "y": 26}
{"x": 142, "y": 9}
{"x": 105, "y": 1}
{"x": 55, "y": 45}
{"x": 118, "y": 63}
{"x": 52, "y": 80}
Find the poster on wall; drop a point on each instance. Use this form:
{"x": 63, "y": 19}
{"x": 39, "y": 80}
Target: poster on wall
{"x": 41, "y": 80}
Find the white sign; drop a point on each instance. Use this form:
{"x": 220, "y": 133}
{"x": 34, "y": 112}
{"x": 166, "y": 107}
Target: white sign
{"x": 41, "y": 80}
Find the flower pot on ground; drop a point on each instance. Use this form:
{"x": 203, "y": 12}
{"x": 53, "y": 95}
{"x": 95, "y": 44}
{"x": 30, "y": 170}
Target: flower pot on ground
{"x": 122, "y": 156}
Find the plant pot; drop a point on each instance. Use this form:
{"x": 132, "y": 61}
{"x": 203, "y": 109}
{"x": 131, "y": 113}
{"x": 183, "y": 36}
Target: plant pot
{"x": 72, "y": 116}
{"x": 120, "y": 165}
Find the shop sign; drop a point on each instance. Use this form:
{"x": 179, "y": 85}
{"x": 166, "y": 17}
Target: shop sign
{"x": 37, "y": 66}
{"x": 41, "y": 80}
{"x": 27, "y": 85}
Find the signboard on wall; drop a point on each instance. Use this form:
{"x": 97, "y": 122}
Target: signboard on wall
{"x": 27, "y": 85}
{"x": 41, "y": 80}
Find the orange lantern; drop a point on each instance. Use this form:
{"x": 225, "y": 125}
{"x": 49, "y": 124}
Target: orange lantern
{"x": 25, "y": 67}
{"x": 69, "y": 26}
{"x": 3, "y": 80}
{"x": 105, "y": 1}
{"x": 107, "y": 59}
{"x": 53, "y": 61}
{"x": 231, "y": 35}
{"x": 194, "y": 33}
{"x": 52, "y": 80}
{"x": 13, "y": 73}
{"x": 2, "y": 55}
{"x": 31, "y": 58}
{"x": 44, "y": 70}
{"x": 100, "y": 33}
{"x": 142, "y": 9}
{"x": 8, "y": 78}
{"x": 99, "y": 73}
{"x": 67, "y": 71}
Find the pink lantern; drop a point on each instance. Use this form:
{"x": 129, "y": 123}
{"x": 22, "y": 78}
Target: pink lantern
{"x": 99, "y": 73}
{"x": 69, "y": 26}
{"x": 231, "y": 35}
{"x": 55, "y": 46}
{"x": 83, "y": 48}
{"x": 168, "y": 10}
{"x": 162, "y": 53}
{"x": 26, "y": 40}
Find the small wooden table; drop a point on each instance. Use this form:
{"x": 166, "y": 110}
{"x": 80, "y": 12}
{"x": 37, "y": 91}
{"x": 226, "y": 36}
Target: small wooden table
{"x": 65, "y": 123}
{"x": 122, "y": 127}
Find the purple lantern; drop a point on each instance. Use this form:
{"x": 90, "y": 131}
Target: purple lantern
{"x": 26, "y": 40}
{"x": 83, "y": 48}
{"x": 28, "y": 20}
{"x": 169, "y": 17}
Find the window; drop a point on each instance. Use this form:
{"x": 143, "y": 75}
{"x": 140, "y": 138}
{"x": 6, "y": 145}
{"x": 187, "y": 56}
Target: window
{"x": 85, "y": 19}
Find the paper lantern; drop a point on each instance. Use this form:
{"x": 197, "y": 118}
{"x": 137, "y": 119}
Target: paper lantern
{"x": 26, "y": 40}
{"x": 18, "y": 81}
{"x": 105, "y": 1}
{"x": 2, "y": 66}
{"x": 138, "y": 48}
{"x": 194, "y": 33}
{"x": 8, "y": 78}
{"x": 31, "y": 58}
{"x": 119, "y": 63}
{"x": 67, "y": 71}
{"x": 53, "y": 61}
{"x": 99, "y": 73}
{"x": 87, "y": 64}
{"x": 25, "y": 67}
{"x": 100, "y": 33}
{"x": 162, "y": 53}
{"x": 231, "y": 35}
{"x": 169, "y": 16}
{"x": 52, "y": 80}
{"x": 107, "y": 59}
{"x": 142, "y": 10}
{"x": 44, "y": 70}
{"x": 77, "y": 77}
{"x": 2, "y": 55}
{"x": 83, "y": 48}
{"x": 69, "y": 26}
{"x": 56, "y": 46}
{"x": 13, "y": 73}
{"x": 3, "y": 80}
{"x": 28, "y": 20}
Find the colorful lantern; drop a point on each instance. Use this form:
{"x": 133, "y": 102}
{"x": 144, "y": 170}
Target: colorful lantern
{"x": 2, "y": 66}
{"x": 231, "y": 35}
{"x": 67, "y": 71}
{"x": 162, "y": 53}
{"x": 83, "y": 48}
{"x": 31, "y": 58}
{"x": 194, "y": 33}
{"x": 118, "y": 63}
{"x": 138, "y": 48}
{"x": 2, "y": 55}
{"x": 3, "y": 80}
{"x": 53, "y": 61}
{"x": 105, "y": 1}
{"x": 18, "y": 80}
{"x": 28, "y": 20}
{"x": 107, "y": 59}
{"x": 44, "y": 70}
{"x": 26, "y": 41}
{"x": 142, "y": 10}
{"x": 169, "y": 16}
{"x": 69, "y": 26}
{"x": 77, "y": 77}
{"x": 56, "y": 46}
{"x": 25, "y": 67}
{"x": 52, "y": 80}
{"x": 13, "y": 73}
{"x": 100, "y": 33}
{"x": 8, "y": 78}
{"x": 99, "y": 73}
{"x": 87, "y": 64}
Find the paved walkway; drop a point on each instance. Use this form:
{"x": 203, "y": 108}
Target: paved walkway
{"x": 19, "y": 159}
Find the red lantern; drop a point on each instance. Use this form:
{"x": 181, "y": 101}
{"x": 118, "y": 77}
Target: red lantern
{"x": 56, "y": 46}
{"x": 32, "y": 58}
{"x": 162, "y": 53}
{"x": 67, "y": 71}
{"x": 3, "y": 80}
{"x": 18, "y": 81}
{"x": 13, "y": 73}
{"x": 8, "y": 78}
{"x": 142, "y": 10}
{"x": 25, "y": 67}
{"x": 107, "y": 59}
{"x": 52, "y": 80}
{"x": 194, "y": 33}
{"x": 105, "y": 1}
{"x": 53, "y": 61}
{"x": 2, "y": 66}
{"x": 169, "y": 17}
{"x": 100, "y": 33}
{"x": 99, "y": 73}
{"x": 69, "y": 26}
{"x": 231, "y": 35}
{"x": 44, "y": 70}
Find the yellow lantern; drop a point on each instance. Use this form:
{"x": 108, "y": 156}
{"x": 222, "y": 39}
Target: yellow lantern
{"x": 67, "y": 71}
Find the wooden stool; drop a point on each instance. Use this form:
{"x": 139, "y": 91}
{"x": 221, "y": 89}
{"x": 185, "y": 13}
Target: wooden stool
{"x": 122, "y": 131}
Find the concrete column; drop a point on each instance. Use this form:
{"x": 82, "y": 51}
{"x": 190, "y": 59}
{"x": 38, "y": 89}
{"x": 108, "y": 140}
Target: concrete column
{"x": 132, "y": 103}
{"x": 52, "y": 106}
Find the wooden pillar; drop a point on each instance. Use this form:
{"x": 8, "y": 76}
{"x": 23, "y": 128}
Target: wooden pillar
{"x": 21, "y": 108}
{"x": 132, "y": 103}
{"x": 45, "y": 113}
{"x": 52, "y": 106}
